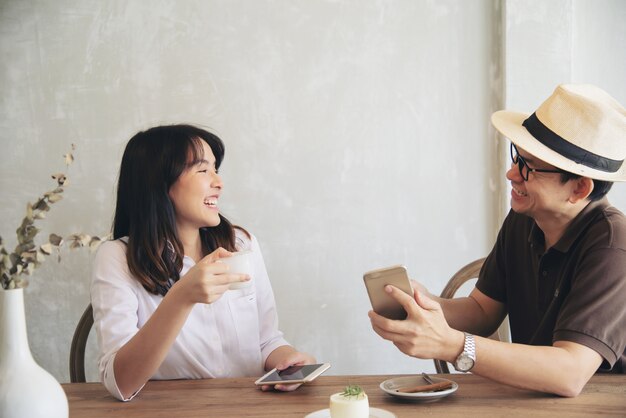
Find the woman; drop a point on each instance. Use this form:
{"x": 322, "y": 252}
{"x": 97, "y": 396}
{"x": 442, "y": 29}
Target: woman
{"x": 162, "y": 308}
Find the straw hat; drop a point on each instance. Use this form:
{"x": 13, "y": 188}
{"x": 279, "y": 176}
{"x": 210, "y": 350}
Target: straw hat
{"x": 579, "y": 128}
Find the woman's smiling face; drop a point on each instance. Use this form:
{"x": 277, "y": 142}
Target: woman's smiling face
{"x": 196, "y": 192}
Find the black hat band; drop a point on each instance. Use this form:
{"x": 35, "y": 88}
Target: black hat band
{"x": 568, "y": 150}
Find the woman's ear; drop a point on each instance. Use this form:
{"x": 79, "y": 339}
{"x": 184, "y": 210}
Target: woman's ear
{"x": 583, "y": 187}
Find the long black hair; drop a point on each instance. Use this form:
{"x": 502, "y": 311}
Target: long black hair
{"x": 152, "y": 162}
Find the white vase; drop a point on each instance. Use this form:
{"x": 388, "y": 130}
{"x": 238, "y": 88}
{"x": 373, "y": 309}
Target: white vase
{"x": 26, "y": 390}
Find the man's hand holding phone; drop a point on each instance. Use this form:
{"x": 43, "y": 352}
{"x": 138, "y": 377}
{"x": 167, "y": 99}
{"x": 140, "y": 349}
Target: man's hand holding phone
{"x": 423, "y": 331}
{"x": 382, "y": 302}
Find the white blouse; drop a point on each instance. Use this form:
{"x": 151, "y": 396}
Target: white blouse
{"x": 231, "y": 337}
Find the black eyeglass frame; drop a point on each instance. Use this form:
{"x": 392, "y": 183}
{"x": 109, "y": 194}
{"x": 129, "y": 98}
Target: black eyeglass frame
{"x": 521, "y": 163}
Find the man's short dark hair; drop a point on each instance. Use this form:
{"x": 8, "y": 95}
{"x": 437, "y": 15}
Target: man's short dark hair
{"x": 600, "y": 187}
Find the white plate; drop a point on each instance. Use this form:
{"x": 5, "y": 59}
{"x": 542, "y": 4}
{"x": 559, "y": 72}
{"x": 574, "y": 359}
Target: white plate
{"x": 374, "y": 413}
{"x": 391, "y": 385}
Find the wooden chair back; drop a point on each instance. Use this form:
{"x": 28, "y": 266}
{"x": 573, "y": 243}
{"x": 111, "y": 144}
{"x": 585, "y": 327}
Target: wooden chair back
{"x": 468, "y": 272}
{"x": 79, "y": 342}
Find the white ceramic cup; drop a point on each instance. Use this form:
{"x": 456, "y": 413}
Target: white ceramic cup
{"x": 239, "y": 263}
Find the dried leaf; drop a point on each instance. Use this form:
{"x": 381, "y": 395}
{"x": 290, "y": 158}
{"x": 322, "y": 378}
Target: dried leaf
{"x": 26, "y": 222}
{"x": 60, "y": 178}
{"x": 40, "y": 257}
{"x": 79, "y": 240}
{"x": 57, "y": 190}
{"x": 69, "y": 158}
{"x": 19, "y": 269}
{"x": 53, "y": 197}
{"x": 94, "y": 243}
{"x": 26, "y": 234}
{"x": 14, "y": 259}
{"x": 20, "y": 282}
{"x": 40, "y": 215}
{"x": 55, "y": 240}
{"x": 6, "y": 262}
{"x": 29, "y": 255}
{"x": 46, "y": 248}
{"x": 85, "y": 239}
{"x": 41, "y": 205}
{"x": 30, "y": 268}
{"x": 29, "y": 210}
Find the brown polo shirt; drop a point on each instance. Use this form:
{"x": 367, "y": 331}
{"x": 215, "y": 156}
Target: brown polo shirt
{"x": 575, "y": 291}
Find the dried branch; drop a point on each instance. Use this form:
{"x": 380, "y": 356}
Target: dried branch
{"x": 26, "y": 256}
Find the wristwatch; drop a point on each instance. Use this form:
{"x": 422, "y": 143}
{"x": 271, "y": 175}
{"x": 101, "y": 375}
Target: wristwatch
{"x": 466, "y": 360}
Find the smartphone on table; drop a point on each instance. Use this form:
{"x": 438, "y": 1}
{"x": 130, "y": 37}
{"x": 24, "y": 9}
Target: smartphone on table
{"x": 293, "y": 374}
{"x": 382, "y": 303}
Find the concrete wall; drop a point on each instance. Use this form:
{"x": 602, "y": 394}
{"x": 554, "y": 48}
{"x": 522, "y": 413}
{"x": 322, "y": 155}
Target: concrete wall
{"x": 357, "y": 135}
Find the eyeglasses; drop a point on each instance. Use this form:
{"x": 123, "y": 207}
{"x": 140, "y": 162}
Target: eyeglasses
{"x": 524, "y": 169}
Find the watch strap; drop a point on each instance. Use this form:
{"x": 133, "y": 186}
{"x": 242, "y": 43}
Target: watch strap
{"x": 470, "y": 346}
{"x": 468, "y": 353}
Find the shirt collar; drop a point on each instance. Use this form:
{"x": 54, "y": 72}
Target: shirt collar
{"x": 578, "y": 225}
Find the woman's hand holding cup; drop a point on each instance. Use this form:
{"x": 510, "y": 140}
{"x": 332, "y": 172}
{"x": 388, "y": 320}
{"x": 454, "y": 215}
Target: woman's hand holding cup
{"x": 240, "y": 263}
{"x": 207, "y": 281}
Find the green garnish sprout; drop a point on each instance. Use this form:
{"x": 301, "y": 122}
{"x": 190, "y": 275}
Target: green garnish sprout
{"x": 352, "y": 390}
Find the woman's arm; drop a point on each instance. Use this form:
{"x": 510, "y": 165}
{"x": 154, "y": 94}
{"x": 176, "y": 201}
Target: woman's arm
{"x": 137, "y": 360}
{"x": 276, "y": 352}
{"x": 140, "y": 356}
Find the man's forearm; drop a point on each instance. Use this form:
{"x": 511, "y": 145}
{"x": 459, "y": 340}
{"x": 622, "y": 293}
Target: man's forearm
{"x": 465, "y": 314}
{"x": 563, "y": 369}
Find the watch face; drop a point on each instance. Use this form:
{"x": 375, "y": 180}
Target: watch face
{"x": 464, "y": 363}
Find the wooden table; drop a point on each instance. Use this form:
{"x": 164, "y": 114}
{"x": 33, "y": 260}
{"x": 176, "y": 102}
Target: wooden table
{"x": 604, "y": 395}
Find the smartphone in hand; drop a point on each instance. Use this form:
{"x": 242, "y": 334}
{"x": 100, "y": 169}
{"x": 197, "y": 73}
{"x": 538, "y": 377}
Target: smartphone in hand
{"x": 293, "y": 374}
{"x": 382, "y": 303}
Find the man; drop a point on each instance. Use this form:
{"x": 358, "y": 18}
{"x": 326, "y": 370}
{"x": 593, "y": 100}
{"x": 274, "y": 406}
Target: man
{"x": 558, "y": 268}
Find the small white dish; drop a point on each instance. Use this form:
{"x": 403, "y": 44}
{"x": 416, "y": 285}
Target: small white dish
{"x": 374, "y": 413}
{"x": 391, "y": 385}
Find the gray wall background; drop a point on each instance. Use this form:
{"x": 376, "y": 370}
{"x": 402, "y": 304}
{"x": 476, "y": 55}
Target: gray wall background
{"x": 357, "y": 135}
